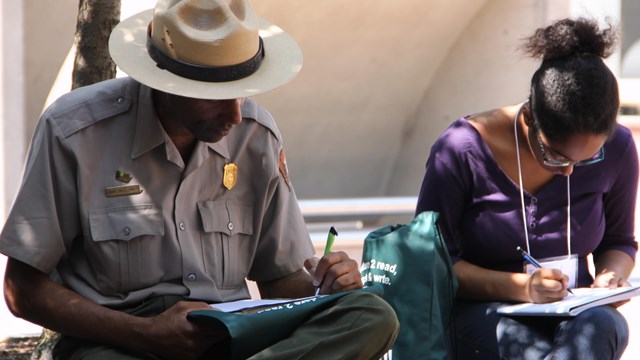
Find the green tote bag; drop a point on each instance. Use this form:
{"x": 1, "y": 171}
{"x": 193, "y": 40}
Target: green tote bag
{"x": 412, "y": 264}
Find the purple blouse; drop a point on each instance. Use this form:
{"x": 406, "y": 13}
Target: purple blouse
{"x": 481, "y": 214}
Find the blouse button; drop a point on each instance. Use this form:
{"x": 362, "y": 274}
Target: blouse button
{"x": 191, "y": 277}
{"x": 532, "y": 225}
{"x": 230, "y": 226}
{"x": 181, "y": 226}
{"x": 534, "y": 200}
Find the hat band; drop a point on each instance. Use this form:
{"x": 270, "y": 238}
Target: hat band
{"x": 201, "y": 72}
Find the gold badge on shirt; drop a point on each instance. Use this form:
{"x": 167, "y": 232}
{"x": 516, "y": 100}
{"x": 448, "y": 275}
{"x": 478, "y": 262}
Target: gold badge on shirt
{"x": 230, "y": 176}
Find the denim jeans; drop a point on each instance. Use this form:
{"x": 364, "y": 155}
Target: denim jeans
{"x": 480, "y": 333}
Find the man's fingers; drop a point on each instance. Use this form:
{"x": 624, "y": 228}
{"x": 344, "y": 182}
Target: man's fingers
{"x": 337, "y": 272}
{"x": 310, "y": 265}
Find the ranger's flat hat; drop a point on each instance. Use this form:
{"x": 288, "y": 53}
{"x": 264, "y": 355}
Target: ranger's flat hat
{"x": 206, "y": 49}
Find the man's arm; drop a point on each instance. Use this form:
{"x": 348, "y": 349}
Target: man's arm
{"x": 294, "y": 285}
{"x": 335, "y": 273}
{"x": 31, "y": 295}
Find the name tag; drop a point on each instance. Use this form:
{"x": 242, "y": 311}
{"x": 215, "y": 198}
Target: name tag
{"x": 122, "y": 190}
{"x": 568, "y": 266}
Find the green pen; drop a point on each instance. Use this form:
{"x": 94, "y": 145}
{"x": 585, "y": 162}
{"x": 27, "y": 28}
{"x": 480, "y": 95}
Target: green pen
{"x": 327, "y": 248}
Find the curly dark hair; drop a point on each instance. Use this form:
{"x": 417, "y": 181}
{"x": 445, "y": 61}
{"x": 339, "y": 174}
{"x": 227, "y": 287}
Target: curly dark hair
{"x": 573, "y": 90}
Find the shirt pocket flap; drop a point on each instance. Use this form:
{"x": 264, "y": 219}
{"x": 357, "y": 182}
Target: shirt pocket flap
{"x": 125, "y": 223}
{"x": 226, "y": 216}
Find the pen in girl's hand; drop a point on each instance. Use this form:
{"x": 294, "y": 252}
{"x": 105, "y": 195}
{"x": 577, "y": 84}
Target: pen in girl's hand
{"x": 531, "y": 260}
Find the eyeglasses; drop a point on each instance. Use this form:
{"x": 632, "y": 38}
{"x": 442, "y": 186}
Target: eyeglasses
{"x": 599, "y": 156}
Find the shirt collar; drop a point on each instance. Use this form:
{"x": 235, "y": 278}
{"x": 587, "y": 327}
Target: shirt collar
{"x": 221, "y": 147}
{"x": 149, "y": 132}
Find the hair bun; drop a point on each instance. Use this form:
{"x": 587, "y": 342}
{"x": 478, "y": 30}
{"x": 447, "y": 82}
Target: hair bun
{"x": 569, "y": 37}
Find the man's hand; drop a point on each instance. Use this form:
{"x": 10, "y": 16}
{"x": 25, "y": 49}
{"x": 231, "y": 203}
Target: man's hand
{"x": 547, "y": 285}
{"x": 33, "y": 296}
{"x": 175, "y": 337}
{"x": 334, "y": 273}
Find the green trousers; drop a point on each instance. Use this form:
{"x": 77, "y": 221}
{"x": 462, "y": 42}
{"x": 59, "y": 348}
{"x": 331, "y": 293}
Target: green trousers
{"x": 358, "y": 326}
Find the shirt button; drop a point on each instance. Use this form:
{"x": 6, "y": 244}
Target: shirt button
{"x": 230, "y": 226}
{"x": 126, "y": 231}
{"x": 532, "y": 225}
{"x": 181, "y": 226}
{"x": 120, "y": 100}
{"x": 533, "y": 211}
{"x": 191, "y": 277}
{"x": 534, "y": 200}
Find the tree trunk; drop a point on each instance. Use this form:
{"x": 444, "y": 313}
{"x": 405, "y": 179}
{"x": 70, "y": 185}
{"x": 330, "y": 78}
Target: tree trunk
{"x": 96, "y": 19}
{"x": 44, "y": 347}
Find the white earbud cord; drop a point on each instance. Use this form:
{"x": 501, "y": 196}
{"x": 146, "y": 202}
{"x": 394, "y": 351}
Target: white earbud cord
{"x": 524, "y": 214}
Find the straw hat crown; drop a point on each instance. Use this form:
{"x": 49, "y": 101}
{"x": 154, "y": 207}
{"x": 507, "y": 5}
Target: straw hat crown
{"x": 209, "y": 33}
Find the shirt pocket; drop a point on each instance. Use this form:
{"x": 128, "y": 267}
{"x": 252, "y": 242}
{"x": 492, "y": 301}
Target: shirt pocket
{"x": 125, "y": 250}
{"x": 228, "y": 250}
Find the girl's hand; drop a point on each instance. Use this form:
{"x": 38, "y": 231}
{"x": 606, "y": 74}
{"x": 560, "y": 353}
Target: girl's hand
{"x": 609, "y": 279}
{"x": 547, "y": 285}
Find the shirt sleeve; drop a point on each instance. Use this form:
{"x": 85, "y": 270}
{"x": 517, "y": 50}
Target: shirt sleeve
{"x": 33, "y": 232}
{"x": 620, "y": 201}
{"x": 284, "y": 242}
{"x": 444, "y": 188}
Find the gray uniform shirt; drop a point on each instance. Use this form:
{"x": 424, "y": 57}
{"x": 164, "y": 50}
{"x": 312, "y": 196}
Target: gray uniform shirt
{"x": 108, "y": 208}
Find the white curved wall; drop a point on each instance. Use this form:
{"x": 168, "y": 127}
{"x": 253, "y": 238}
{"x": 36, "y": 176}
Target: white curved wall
{"x": 484, "y": 70}
{"x": 367, "y": 67}
{"x": 378, "y": 78}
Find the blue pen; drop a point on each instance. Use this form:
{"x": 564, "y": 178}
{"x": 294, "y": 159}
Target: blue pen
{"x": 530, "y": 259}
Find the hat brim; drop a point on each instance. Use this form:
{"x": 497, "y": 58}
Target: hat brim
{"x": 128, "y": 49}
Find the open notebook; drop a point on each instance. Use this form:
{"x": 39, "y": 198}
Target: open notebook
{"x": 572, "y": 305}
